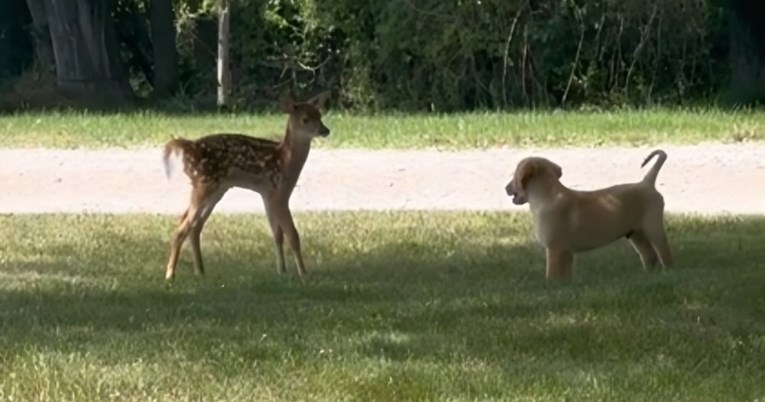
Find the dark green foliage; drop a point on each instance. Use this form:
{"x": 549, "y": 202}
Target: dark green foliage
{"x": 465, "y": 54}
{"x": 472, "y": 54}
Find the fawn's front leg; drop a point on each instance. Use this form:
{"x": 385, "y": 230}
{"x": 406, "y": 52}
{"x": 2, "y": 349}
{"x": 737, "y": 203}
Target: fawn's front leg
{"x": 280, "y": 211}
{"x": 293, "y": 240}
{"x": 276, "y": 232}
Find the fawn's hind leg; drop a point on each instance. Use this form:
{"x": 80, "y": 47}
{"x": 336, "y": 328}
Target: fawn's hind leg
{"x": 204, "y": 196}
{"x": 196, "y": 228}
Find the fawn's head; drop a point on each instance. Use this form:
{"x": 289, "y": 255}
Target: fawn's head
{"x": 304, "y": 120}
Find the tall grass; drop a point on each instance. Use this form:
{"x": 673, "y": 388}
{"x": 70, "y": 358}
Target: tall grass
{"x": 455, "y": 131}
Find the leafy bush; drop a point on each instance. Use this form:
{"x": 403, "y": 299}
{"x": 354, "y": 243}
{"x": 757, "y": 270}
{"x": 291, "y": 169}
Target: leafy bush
{"x": 468, "y": 54}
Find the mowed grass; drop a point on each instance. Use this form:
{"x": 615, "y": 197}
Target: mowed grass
{"x": 397, "y": 307}
{"x": 453, "y": 131}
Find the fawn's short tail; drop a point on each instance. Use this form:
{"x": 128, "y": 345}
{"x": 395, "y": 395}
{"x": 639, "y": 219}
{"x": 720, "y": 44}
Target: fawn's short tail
{"x": 176, "y": 147}
{"x": 650, "y": 177}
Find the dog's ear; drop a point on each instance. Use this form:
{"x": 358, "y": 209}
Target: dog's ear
{"x": 525, "y": 173}
{"x": 558, "y": 170}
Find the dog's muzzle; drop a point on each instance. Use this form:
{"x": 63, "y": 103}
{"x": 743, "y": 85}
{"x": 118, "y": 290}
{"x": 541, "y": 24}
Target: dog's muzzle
{"x": 517, "y": 198}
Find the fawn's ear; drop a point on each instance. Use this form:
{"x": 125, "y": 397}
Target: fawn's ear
{"x": 287, "y": 104}
{"x": 319, "y": 101}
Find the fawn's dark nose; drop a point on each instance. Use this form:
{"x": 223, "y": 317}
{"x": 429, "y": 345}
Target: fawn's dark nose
{"x": 323, "y": 130}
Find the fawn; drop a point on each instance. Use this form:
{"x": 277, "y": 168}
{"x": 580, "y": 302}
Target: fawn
{"x": 218, "y": 162}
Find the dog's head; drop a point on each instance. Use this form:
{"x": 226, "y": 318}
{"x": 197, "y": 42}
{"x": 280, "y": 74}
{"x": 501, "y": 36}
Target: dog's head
{"x": 529, "y": 169}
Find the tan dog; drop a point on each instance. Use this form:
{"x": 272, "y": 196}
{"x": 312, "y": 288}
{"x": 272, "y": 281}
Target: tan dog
{"x": 567, "y": 221}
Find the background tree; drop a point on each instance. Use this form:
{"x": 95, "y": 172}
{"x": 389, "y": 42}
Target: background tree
{"x": 747, "y": 51}
{"x": 88, "y": 65}
{"x": 163, "y": 43}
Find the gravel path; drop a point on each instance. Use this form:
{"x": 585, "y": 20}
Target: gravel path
{"x": 705, "y": 179}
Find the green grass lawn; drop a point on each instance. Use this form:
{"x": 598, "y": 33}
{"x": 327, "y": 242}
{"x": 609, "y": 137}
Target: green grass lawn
{"x": 404, "y": 306}
{"x": 456, "y": 131}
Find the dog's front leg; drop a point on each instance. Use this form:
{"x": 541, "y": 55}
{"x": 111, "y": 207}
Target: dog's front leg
{"x": 560, "y": 264}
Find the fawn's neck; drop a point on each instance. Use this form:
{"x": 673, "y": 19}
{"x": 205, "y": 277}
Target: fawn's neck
{"x": 294, "y": 153}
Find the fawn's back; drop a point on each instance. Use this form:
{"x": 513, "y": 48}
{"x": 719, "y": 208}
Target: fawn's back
{"x": 236, "y": 158}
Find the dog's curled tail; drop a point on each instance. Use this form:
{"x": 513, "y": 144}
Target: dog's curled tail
{"x": 176, "y": 147}
{"x": 650, "y": 177}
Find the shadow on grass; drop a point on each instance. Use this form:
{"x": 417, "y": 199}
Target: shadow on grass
{"x": 457, "y": 292}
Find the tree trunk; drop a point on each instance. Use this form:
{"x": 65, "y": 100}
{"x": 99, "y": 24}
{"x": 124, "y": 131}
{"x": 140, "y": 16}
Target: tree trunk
{"x": 132, "y": 30}
{"x": 44, "y": 62}
{"x": 165, "y": 53}
{"x": 85, "y": 49}
{"x": 224, "y": 74}
{"x": 747, "y": 54}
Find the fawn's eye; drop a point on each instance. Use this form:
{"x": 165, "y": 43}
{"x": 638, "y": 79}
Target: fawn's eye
{"x": 305, "y": 120}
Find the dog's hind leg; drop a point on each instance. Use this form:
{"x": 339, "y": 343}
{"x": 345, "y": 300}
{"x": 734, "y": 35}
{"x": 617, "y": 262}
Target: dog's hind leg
{"x": 657, "y": 235}
{"x": 643, "y": 247}
{"x": 560, "y": 264}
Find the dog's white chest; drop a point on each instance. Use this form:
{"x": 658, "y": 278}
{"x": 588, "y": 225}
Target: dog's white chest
{"x": 542, "y": 235}
{"x": 543, "y": 231}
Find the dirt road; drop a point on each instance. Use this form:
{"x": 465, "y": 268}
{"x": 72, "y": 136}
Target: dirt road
{"x": 705, "y": 179}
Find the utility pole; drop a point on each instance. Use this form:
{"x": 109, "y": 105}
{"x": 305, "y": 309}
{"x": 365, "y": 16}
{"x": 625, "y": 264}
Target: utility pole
{"x": 224, "y": 73}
